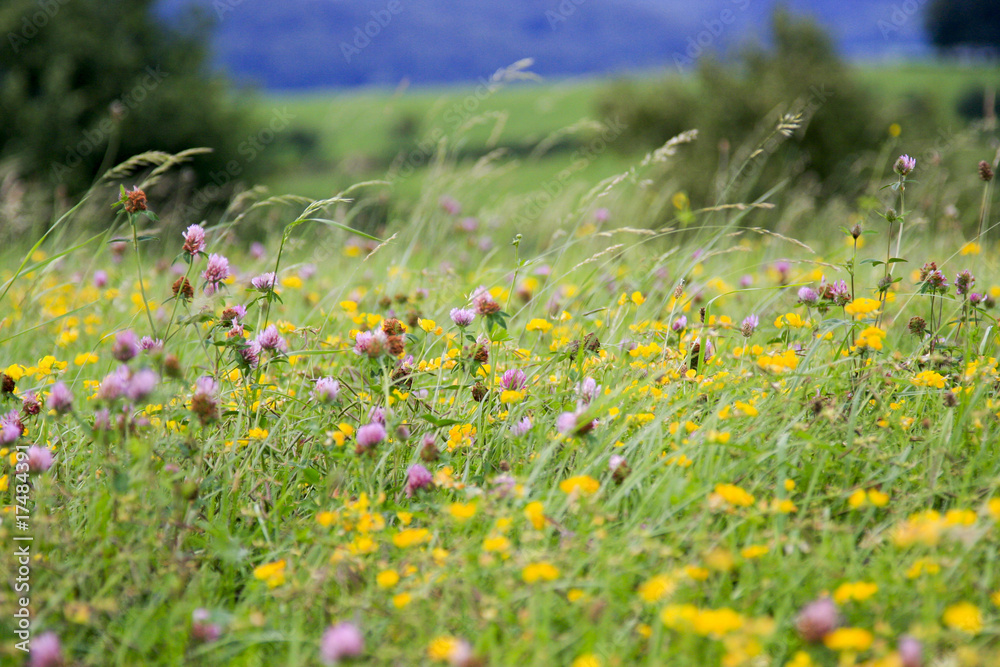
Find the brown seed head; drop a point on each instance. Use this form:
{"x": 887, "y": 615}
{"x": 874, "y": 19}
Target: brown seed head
{"x": 396, "y": 345}
{"x": 135, "y": 200}
{"x": 478, "y": 392}
{"x": 392, "y": 327}
{"x": 182, "y": 287}
{"x": 985, "y": 171}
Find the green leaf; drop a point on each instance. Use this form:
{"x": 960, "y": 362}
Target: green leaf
{"x": 139, "y": 239}
{"x": 896, "y": 260}
{"x": 340, "y": 225}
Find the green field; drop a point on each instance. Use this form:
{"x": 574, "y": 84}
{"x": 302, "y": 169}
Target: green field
{"x": 357, "y": 137}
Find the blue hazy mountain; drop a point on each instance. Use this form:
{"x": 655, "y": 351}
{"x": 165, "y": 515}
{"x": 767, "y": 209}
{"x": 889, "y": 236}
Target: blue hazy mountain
{"x": 297, "y": 44}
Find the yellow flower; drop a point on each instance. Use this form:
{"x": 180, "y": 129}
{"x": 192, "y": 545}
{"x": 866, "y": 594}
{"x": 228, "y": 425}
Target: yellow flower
{"x": 754, "y": 551}
{"x": 895, "y": 130}
{"x": 257, "y": 433}
{"x": 877, "y": 498}
{"x": 587, "y": 660}
{"x": 496, "y": 543}
{"x": 959, "y": 517}
{"x": 326, "y": 519}
{"x": 400, "y": 600}
{"x": 410, "y": 537}
{"x": 511, "y": 396}
{"x": 733, "y": 495}
{"x": 538, "y": 325}
{"x": 859, "y": 590}
{"x": 442, "y": 648}
{"x": 581, "y": 484}
{"x": 872, "y": 338}
{"x": 928, "y": 379}
{"x": 427, "y": 325}
{"x": 861, "y": 307}
{"x": 387, "y": 578}
{"x": 637, "y": 298}
{"x": 271, "y": 573}
{"x": 85, "y": 358}
{"x": 717, "y": 622}
{"x": 291, "y": 282}
{"x": 541, "y": 571}
{"x": 462, "y": 512}
{"x": 993, "y": 507}
{"x": 965, "y": 617}
{"x": 536, "y": 514}
{"x": 923, "y": 565}
{"x": 800, "y": 659}
{"x": 657, "y": 588}
{"x": 849, "y": 639}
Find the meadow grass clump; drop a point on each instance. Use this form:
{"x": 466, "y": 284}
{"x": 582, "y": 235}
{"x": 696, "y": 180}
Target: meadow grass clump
{"x": 582, "y": 443}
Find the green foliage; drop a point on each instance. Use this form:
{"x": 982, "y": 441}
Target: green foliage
{"x": 728, "y": 102}
{"x": 84, "y": 83}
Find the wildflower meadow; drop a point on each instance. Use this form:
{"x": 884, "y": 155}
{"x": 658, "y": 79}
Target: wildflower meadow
{"x": 601, "y": 428}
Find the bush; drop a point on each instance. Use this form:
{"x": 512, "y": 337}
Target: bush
{"x": 86, "y": 83}
{"x": 728, "y": 102}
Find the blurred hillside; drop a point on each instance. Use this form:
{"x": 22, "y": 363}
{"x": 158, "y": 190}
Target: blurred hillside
{"x": 300, "y": 44}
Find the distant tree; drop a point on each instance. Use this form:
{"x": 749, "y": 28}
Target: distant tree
{"x": 799, "y": 72}
{"x": 87, "y": 83}
{"x": 964, "y": 23}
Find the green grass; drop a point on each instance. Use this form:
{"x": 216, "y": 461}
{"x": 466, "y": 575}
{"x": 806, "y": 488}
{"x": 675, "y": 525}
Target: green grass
{"x": 808, "y": 456}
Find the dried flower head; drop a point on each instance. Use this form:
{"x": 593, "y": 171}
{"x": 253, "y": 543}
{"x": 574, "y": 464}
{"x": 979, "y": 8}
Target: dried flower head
{"x": 135, "y": 200}
{"x": 985, "y": 171}
{"x": 182, "y": 288}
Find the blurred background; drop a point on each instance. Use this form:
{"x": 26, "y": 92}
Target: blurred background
{"x": 310, "y": 96}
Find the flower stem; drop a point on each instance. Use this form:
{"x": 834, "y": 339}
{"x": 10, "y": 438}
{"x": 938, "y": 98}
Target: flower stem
{"x": 142, "y": 286}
